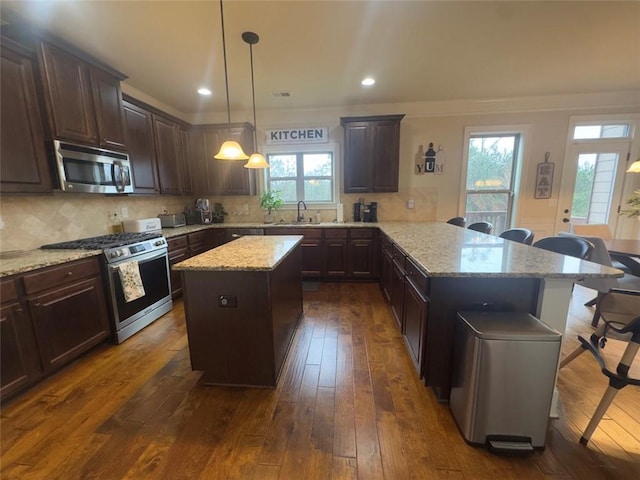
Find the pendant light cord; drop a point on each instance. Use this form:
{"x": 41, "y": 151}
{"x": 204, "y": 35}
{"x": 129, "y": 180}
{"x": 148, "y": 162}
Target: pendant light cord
{"x": 226, "y": 76}
{"x": 253, "y": 94}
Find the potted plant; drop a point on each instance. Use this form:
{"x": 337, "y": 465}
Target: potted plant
{"x": 270, "y": 200}
{"x": 218, "y": 213}
{"x": 633, "y": 205}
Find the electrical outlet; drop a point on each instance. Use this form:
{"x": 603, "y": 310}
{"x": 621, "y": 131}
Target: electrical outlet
{"x": 411, "y": 204}
{"x": 227, "y": 301}
{"x": 124, "y": 211}
{"x": 163, "y": 209}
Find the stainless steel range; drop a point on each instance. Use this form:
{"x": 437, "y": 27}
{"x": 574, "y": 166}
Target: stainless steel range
{"x": 149, "y": 251}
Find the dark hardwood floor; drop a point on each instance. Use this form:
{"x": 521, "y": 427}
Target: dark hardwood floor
{"x": 348, "y": 405}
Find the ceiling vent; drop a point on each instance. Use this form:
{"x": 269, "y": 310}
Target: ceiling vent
{"x": 281, "y": 94}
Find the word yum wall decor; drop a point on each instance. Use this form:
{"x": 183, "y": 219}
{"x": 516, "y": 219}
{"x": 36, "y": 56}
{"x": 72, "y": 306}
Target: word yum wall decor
{"x": 431, "y": 161}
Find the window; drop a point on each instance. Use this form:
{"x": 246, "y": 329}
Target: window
{"x": 592, "y": 132}
{"x": 307, "y": 176}
{"x": 492, "y": 159}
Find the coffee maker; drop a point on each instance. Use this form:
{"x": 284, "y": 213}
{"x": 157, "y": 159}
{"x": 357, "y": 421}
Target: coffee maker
{"x": 370, "y": 212}
{"x": 203, "y": 212}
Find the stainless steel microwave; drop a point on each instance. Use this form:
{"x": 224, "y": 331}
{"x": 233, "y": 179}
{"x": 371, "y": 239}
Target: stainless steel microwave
{"x": 88, "y": 169}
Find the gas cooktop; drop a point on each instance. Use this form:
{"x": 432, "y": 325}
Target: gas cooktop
{"x": 104, "y": 241}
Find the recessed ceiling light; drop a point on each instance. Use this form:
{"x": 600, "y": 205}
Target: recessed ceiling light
{"x": 367, "y": 82}
{"x": 204, "y": 91}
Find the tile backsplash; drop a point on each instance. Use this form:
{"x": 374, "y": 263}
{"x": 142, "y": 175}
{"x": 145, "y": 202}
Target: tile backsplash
{"x": 27, "y": 222}
{"x": 31, "y": 221}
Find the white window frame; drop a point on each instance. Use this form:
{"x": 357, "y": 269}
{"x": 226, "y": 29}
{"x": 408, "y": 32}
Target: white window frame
{"x": 632, "y": 140}
{"x": 308, "y": 148}
{"x": 523, "y": 154}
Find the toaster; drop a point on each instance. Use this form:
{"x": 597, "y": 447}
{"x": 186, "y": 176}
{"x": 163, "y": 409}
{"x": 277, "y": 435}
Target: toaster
{"x": 141, "y": 225}
{"x": 172, "y": 220}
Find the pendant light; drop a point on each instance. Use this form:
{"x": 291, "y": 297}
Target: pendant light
{"x": 230, "y": 149}
{"x": 256, "y": 160}
{"x": 634, "y": 167}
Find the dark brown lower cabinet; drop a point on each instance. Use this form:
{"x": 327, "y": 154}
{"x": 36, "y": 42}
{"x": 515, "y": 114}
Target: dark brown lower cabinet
{"x": 362, "y": 253}
{"x": 386, "y": 268}
{"x": 178, "y": 251}
{"x": 398, "y": 273}
{"x": 335, "y": 252}
{"x": 19, "y": 358}
{"x": 416, "y": 302}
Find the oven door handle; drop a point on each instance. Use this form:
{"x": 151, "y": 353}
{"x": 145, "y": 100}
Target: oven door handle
{"x": 144, "y": 257}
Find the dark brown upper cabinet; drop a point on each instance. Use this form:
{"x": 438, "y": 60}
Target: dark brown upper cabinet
{"x": 84, "y": 102}
{"x": 158, "y": 150}
{"x": 24, "y": 167}
{"x": 141, "y": 148}
{"x": 168, "y": 154}
{"x": 371, "y": 153}
{"x": 221, "y": 177}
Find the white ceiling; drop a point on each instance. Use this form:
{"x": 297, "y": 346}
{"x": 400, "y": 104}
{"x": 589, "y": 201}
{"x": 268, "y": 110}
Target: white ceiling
{"x": 319, "y": 51}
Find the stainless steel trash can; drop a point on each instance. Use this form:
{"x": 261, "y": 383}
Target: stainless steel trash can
{"x": 503, "y": 378}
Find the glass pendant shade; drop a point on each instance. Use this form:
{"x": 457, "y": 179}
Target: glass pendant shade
{"x": 231, "y": 150}
{"x": 634, "y": 167}
{"x": 256, "y": 160}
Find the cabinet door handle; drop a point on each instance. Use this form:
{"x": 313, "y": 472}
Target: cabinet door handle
{"x": 37, "y": 304}
{"x": 68, "y": 274}
{"x": 18, "y": 310}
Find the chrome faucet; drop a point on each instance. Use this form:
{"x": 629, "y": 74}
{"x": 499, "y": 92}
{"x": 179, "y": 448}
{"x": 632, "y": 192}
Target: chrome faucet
{"x": 300, "y": 218}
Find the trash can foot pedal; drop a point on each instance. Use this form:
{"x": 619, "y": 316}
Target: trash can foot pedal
{"x": 506, "y": 447}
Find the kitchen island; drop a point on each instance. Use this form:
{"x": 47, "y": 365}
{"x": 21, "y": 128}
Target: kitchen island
{"x": 243, "y": 301}
{"x": 468, "y": 270}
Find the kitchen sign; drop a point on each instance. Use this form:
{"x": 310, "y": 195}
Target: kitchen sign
{"x": 544, "y": 178}
{"x": 290, "y": 136}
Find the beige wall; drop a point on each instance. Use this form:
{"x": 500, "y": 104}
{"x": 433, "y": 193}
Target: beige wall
{"x": 30, "y": 221}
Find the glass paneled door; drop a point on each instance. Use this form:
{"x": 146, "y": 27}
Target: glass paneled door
{"x": 592, "y": 184}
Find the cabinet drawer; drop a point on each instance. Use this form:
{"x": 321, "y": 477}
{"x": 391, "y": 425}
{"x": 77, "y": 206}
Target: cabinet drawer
{"x": 8, "y": 291}
{"x": 398, "y": 256}
{"x": 197, "y": 237}
{"x": 177, "y": 243}
{"x": 361, "y": 233}
{"x": 335, "y": 233}
{"x": 61, "y": 275}
{"x": 417, "y": 277}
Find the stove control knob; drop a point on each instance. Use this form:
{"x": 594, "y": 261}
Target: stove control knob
{"x": 113, "y": 255}
{"x": 159, "y": 243}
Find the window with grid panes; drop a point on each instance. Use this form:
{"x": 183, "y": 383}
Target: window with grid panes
{"x": 304, "y": 176}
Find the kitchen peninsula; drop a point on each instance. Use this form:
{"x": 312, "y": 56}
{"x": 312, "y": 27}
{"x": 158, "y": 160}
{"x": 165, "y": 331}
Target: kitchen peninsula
{"x": 242, "y": 304}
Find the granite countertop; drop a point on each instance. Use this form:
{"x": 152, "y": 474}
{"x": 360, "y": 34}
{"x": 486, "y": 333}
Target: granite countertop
{"x": 438, "y": 248}
{"x": 249, "y": 253}
{"x": 444, "y": 250}
{"x": 28, "y": 260}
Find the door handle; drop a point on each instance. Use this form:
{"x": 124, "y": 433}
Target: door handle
{"x": 565, "y": 220}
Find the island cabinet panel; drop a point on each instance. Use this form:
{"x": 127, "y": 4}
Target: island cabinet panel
{"x": 20, "y": 364}
{"x": 69, "y": 311}
{"x": 24, "y": 167}
{"x": 141, "y": 148}
{"x": 449, "y": 295}
{"x": 335, "y": 252}
{"x": 84, "y": 102}
{"x": 416, "y": 301}
{"x": 240, "y": 324}
{"x": 371, "y": 153}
